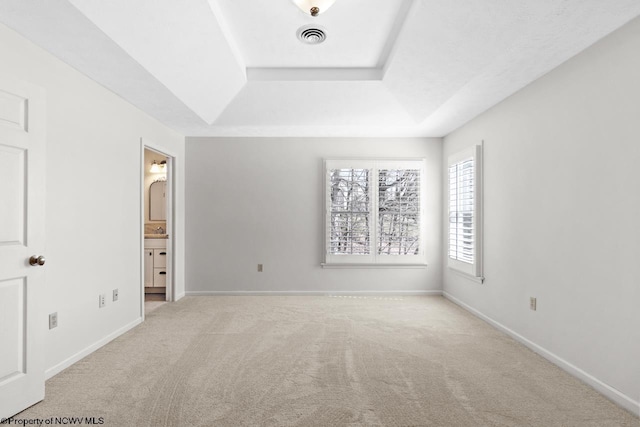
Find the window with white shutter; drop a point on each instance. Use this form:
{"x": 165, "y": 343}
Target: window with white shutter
{"x": 374, "y": 212}
{"x": 398, "y": 211}
{"x": 350, "y": 211}
{"x": 464, "y": 237}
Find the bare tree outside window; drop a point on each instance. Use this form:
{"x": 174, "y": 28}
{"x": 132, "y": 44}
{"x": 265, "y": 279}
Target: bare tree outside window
{"x": 350, "y": 212}
{"x": 398, "y": 212}
{"x": 374, "y": 212}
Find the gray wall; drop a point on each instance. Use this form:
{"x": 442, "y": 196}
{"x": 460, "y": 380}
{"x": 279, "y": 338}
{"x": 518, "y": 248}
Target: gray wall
{"x": 562, "y": 203}
{"x": 240, "y": 214}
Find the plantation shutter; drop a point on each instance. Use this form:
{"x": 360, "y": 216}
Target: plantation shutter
{"x": 462, "y": 211}
{"x": 465, "y": 212}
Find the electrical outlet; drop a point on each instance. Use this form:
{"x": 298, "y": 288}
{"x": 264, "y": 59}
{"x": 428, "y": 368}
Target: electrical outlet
{"x": 115, "y": 295}
{"x": 102, "y": 300}
{"x": 53, "y": 320}
{"x": 260, "y": 268}
{"x": 532, "y": 303}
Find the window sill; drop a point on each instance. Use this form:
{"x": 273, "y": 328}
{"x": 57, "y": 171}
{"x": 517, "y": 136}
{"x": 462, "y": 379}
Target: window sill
{"x": 354, "y": 265}
{"x": 467, "y": 275}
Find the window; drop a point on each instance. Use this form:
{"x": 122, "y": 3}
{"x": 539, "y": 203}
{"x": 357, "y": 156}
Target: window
{"x": 465, "y": 224}
{"x": 374, "y": 212}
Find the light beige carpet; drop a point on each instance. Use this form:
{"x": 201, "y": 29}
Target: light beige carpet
{"x": 321, "y": 361}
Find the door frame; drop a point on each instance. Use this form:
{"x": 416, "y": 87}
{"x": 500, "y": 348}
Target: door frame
{"x": 170, "y": 289}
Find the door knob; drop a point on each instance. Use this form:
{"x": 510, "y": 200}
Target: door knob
{"x": 34, "y": 260}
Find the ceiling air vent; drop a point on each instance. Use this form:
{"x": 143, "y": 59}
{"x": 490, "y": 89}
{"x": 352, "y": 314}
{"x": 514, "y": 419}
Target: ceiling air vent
{"x": 311, "y": 34}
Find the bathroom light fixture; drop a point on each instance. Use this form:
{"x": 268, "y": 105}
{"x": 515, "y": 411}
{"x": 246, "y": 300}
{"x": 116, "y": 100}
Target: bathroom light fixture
{"x": 314, "y": 7}
{"x": 155, "y": 167}
{"x": 158, "y": 167}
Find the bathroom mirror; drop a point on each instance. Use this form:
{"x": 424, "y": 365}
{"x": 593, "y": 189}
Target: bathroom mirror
{"x": 157, "y": 201}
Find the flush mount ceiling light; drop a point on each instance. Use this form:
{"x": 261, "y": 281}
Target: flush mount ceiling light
{"x": 314, "y": 7}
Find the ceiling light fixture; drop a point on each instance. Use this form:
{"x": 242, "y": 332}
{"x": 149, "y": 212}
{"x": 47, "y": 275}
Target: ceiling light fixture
{"x": 314, "y": 7}
{"x": 158, "y": 168}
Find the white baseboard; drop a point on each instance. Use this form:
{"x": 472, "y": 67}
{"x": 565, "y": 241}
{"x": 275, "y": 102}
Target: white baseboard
{"x": 90, "y": 349}
{"x": 180, "y": 296}
{"x": 610, "y": 392}
{"x": 315, "y": 293}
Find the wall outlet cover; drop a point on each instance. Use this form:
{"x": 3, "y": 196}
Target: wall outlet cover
{"x": 102, "y": 300}
{"x": 53, "y": 320}
{"x": 533, "y": 303}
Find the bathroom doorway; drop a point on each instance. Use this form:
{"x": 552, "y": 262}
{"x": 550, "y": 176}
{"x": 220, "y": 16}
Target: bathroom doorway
{"x": 157, "y": 227}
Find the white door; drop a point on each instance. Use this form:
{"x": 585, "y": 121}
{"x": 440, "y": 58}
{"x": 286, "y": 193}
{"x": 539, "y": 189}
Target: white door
{"x": 22, "y": 193}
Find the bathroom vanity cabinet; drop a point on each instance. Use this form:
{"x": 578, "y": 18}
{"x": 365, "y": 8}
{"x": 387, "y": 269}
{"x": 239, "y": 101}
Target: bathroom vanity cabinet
{"x": 155, "y": 263}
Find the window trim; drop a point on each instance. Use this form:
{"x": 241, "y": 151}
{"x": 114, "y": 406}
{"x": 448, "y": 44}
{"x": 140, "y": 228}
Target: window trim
{"x": 373, "y": 260}
{"x": 471, "y": 271}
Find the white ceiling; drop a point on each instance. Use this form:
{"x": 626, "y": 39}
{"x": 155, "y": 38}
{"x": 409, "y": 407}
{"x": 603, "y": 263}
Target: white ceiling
{"x": 387, "y": 68}
{"x": 357, "y": 37}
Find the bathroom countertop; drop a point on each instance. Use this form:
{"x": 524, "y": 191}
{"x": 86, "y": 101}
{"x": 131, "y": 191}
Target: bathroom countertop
{"x": 156, "y": 236}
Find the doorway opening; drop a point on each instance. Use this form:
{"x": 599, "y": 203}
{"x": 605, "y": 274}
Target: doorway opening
{"x": 157, "y": 227}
